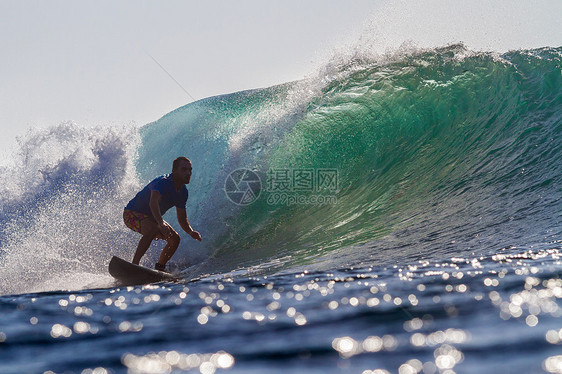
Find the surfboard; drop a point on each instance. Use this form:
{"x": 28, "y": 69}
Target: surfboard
{"x": 131, "y": 274}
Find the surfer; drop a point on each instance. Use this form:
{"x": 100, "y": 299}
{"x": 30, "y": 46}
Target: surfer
{"x": 144, "y": 212}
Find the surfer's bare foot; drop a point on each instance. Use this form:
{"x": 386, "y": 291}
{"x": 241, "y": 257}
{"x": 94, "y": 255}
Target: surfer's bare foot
{"x": 160, "y": 267}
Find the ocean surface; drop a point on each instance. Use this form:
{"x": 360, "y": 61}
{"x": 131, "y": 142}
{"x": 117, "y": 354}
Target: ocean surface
{"x": 391, "y": 214}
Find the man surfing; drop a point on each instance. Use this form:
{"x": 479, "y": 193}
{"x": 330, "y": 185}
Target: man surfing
{"x": 144, "y": 212}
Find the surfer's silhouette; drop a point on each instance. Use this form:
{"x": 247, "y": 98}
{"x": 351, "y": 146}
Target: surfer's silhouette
{"x": 144, "y": 212}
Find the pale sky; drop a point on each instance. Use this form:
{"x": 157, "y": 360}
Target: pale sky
{"x": 90, "y": 61}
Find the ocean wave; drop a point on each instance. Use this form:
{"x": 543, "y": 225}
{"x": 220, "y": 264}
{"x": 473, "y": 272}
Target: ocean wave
{"x": 432, "y": 146}
{"x": 419, "y": 154}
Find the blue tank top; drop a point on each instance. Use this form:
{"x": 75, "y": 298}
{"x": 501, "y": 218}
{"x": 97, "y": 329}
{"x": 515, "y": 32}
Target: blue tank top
{"x": 169, "y": 196}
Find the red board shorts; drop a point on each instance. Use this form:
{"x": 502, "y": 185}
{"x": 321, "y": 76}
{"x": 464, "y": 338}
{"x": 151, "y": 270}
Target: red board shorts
{"x": 133, "y": 219}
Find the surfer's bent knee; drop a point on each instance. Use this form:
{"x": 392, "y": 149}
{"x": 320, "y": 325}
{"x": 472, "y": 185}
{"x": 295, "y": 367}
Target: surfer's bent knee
{"x": 174, "y": 237}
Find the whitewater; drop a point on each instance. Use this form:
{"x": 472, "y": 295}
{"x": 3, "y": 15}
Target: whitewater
{"x": 396, "y": 213}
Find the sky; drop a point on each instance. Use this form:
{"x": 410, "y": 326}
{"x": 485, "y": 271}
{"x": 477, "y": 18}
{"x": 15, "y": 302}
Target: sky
{"x": 110, "y": 63}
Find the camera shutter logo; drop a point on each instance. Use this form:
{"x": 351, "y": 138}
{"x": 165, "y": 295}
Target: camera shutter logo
{"x": 242, "y": 186}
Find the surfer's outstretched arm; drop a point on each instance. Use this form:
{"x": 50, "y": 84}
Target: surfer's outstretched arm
{"x": 184, "y": 223}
